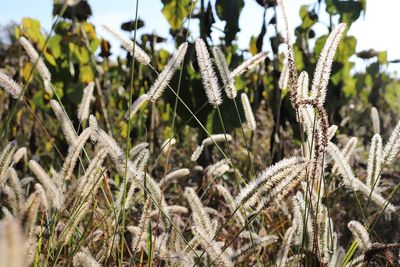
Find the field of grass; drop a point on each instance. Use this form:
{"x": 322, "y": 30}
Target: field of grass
{"x": 181, "y": 159}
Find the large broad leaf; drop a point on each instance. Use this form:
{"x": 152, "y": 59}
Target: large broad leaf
{"x": 349, "y": 11}
{"x": 175, "y": 11}
{"x": 229, "y": 11}
{"x": 81, "y": 11}
{"x": 30, "y": 28}
{"x": 309, "y": 18}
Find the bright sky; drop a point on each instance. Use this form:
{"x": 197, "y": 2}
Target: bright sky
{"x": 372, "y": 31}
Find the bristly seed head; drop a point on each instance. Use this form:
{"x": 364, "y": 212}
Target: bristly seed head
{"x": 210, "y": 82}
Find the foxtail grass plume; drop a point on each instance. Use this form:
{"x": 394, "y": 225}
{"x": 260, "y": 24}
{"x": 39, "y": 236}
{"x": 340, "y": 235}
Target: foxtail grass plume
{"x": 210, "y": 81}
{"x": 84, "y": 106}
{"x": 200, "y": 216}
{"x": 374, "y": 162}
{"x": 248, "y": 112}
{"x": 197, "y": 152}
{"x": 337, "y": 257}
{"x": 174, "y": 175}
{"x": 324, "y": 65}
{"x": 291, "y": 63}
{"x": 375, "y": 120}
{"x": 215, "y": 138}
{"x": 230, "y": 202}
{"x": 284, "y": 77}
{"x": 351, "y": 181}
{"x": 19, "y": 154}
{"x": 211, "y": 247}
{"x": 66, "y": 124}
{"x": 167, "y": 144}
{"x": 392, "y": 147}
{"x": 137, "y": 149}
{"x": 9, "y": 85}
{"x": 268, "y": 180}
{"x": 6, "y": 158}
{"x": 302, "y": 86}
{"x": 166, "y": 74}
{"x": 34, "y": 57}
{"x": 332, "y": 131}
{"x": 249, "y": 64}
{"x": 218, "y": 168}
{"x": 158, "y": 199}
{"x": 137, "y": 104}
{"x": 347, "y": 151}
{"x": 284, "y": 250}
{"x": 74, "y": 152}
{"x": 129, "y": 45}
{"x": 361, "y": 234}
{"x": 85, "y": 259}
{"x": 12, "y": 243}
{"x": 52, "y": 191}
{"x": 227, "y": 79}
{"x": 244, "y": 250}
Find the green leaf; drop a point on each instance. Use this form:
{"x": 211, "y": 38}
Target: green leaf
{"x": 86, "y": 74}
{"x": 382, "y": 57}
{"x": 175, "y": 11}
{"x": 30, "y": 28}
{"x": 349, "y": 10}
{"x": 55, "y": 46}
{"x": 308, "y": 18}
{"x": 229, "y": 11}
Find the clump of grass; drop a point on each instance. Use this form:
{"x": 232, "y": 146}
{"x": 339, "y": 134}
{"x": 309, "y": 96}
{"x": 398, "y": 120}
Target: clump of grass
{"x": 191, "y": 215}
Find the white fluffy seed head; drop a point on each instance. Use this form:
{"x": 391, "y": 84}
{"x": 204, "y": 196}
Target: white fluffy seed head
{"x": 361, "y": 234}
{"x": 269, "y": 179}
{"x": 66, "y": 123}
{"x": 83, "y": 110}
{"x": 374, "y": 162}
{"x": 51, "y": 189}
{"x": 210, "y": 81}
{"x": 165, "y": 76}
{"x": 324, "y": 65}
{"x": 137, "y": 149}
{"x": 284, "y": 77}
{"x": 19, "y": 154}
{"x": 12, "y": 243}
{"x": 137, "y": 104}
{"x": 217, "y": 138}
{"x": 249, "y": 64}
{"x": 302, "y": 86}
{"x": 332, "y": 131}
{"x": 129, "y": 45}
{"x": 375, "y": 120}
{"x": 248, "y": 112}
{"x": 174, "y": 175}
{"x": 343, "y": 166}
{"x": 9, "y": 85}
{"x": 227, "y": 79}
{"x": 167, "y": 144}
{"x": 35, "y": 59}
{"x": 392, "y": 147}
{"x": 197, "y": 152}
{"x": 200, "y": 216}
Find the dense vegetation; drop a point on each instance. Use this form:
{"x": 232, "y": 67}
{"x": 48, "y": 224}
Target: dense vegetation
{"x": 204, "y": 155}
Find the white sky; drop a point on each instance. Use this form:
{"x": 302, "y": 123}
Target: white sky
{"x": 377, "y": 30}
